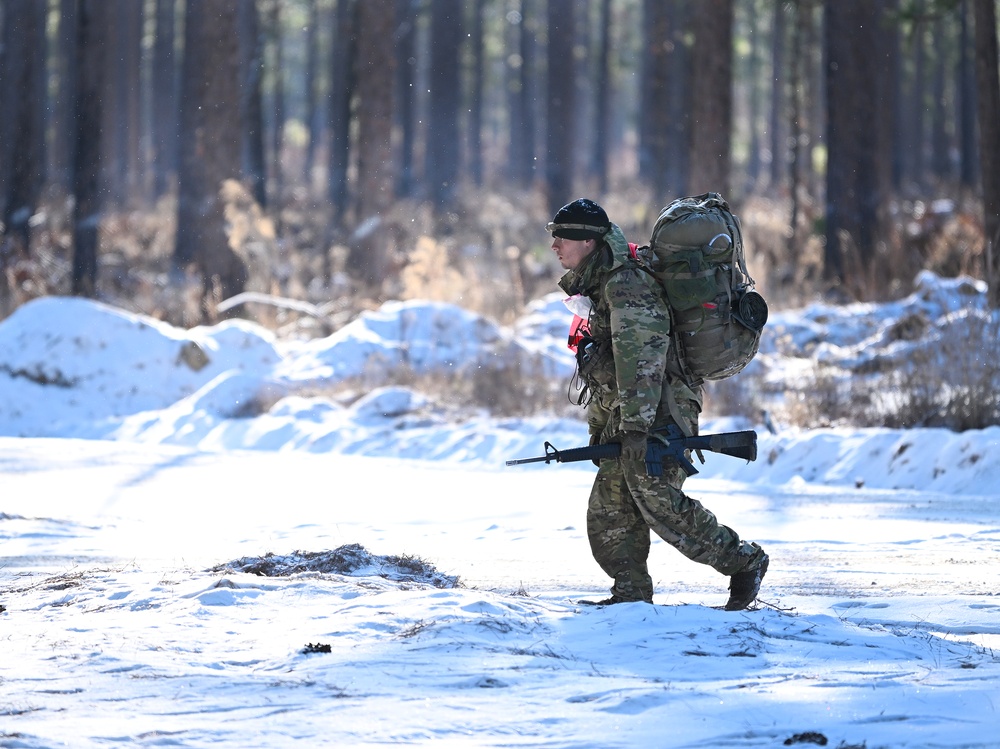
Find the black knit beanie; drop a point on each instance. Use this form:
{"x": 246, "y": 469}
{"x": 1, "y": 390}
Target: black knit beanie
{"x": 581, "y": 219}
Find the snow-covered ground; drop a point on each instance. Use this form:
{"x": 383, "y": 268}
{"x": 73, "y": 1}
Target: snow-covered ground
{"x": 199, "y": 550}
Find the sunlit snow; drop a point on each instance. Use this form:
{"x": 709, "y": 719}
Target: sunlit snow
{"x": 202, "y": 549}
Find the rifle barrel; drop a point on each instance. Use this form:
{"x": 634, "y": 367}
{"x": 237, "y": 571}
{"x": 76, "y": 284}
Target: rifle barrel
{"x": 522, "y": 461}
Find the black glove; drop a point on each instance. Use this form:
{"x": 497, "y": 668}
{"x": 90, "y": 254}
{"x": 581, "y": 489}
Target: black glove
{"x": 633, "y": 445}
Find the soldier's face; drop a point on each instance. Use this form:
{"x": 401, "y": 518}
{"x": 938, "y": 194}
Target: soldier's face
{"x": 571, "y": 252}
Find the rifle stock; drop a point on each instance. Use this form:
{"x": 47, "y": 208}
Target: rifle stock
{"x": 735, "y": 444}
{"x": 672, "y": 446}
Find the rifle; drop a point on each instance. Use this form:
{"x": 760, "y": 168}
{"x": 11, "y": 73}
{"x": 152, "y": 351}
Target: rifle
{"x": 671, "y": 445}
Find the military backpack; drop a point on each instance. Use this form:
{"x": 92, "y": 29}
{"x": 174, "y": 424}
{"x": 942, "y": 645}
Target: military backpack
{"x": 696, "y": 253}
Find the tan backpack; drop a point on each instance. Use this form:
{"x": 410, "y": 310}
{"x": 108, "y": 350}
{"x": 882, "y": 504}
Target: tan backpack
{"x": 696, "y": 253}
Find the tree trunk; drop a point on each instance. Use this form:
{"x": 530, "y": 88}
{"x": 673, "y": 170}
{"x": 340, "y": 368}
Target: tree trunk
{"x": 122, "y": 121}
{"x": 475, "y": 138}
{"x": 310, "y": 84}
{"x": 443, "y": 147}
{"x": 133, "y": 165}
{"x": 852, "y": 28}
{"x": 602, "y": 122}
{"x": 210, "y": 154}
{"x": 92, "y": 71}
{"x": 940, "y": 140}
{"x": 815, "y": 98}
{"x": 253, "y": 153}
{"x": 966, "y": 86}
{"x": 712, "y": 104}
{"x": 520, "y": 103}
{"x": 24, "y": 97}
{"x": 665, "y": 122}
{"x": 791, "y": 149}
{"x": 779, "y": 131}
{"x": 885, "y": 110}
{"x": 681, "y": 62}
{"x": 560, "y": 141}
{"x": 61, "y": 152}
{"x": 341, "y": 93}
{"x": 896, "y": 145}
{"x": 375, "y": 72}
{"x": 988, "y": 81}
{"x": 916, "y": 121}
{"x": 657, "y": 115}
{"x": 585, "y": 106}
{"x": 164, "y": 107}
{"x": 530, "y": 81}
{"x": 755, "y": 95}
{"x": 406, "y": 83}
{"x": 277, "y": 105}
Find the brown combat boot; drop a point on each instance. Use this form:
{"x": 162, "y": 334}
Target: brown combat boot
{"x": 744, "y": 586}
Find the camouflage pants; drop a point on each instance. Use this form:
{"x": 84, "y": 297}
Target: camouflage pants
{"x": 625, "y": 504}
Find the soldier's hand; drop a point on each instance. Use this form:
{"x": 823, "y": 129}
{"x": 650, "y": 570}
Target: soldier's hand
{"x": 633, "y": 445}
{"x": 595, "y": 439}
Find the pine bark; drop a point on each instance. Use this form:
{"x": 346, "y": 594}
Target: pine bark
{"x": 989, "y": 138}
{"x": 477, "y": 78}
{"x": 560, "y": 128}
{"x": 406, "y": 83}
{"x": 443, "y": 145}
{"x": 603, "y": 95}
{"x": 210, "y": 148}
{"x": 712, "y": 98}
{"x": 375, "y": 73}
{"x": 341, "y": 93}
{"x": 253, "y": 152}
{"x": 89, "y": 186}
{"x": 22, "y": 129}
{"x": 164, "y": 104}
{"x": 852, "y": 194}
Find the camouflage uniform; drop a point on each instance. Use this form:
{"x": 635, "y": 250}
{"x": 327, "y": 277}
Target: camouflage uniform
{"x": 630, "y": 390}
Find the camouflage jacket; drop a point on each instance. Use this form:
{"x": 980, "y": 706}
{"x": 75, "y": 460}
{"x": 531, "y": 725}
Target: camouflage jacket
{"x": 630, "y": 324}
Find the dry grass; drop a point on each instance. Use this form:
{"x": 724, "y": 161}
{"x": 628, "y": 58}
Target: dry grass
{"x": 951, "y": 380}
{"x": 497, "y": 391}
{"x": 491, "y": 256}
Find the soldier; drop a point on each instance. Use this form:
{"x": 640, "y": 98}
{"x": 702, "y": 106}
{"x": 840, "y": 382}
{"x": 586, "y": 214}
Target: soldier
{"x": 628, "y": 393}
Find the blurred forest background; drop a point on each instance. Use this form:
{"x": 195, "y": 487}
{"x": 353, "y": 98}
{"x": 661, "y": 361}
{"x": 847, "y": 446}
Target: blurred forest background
{"x": 296, "y": 161}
